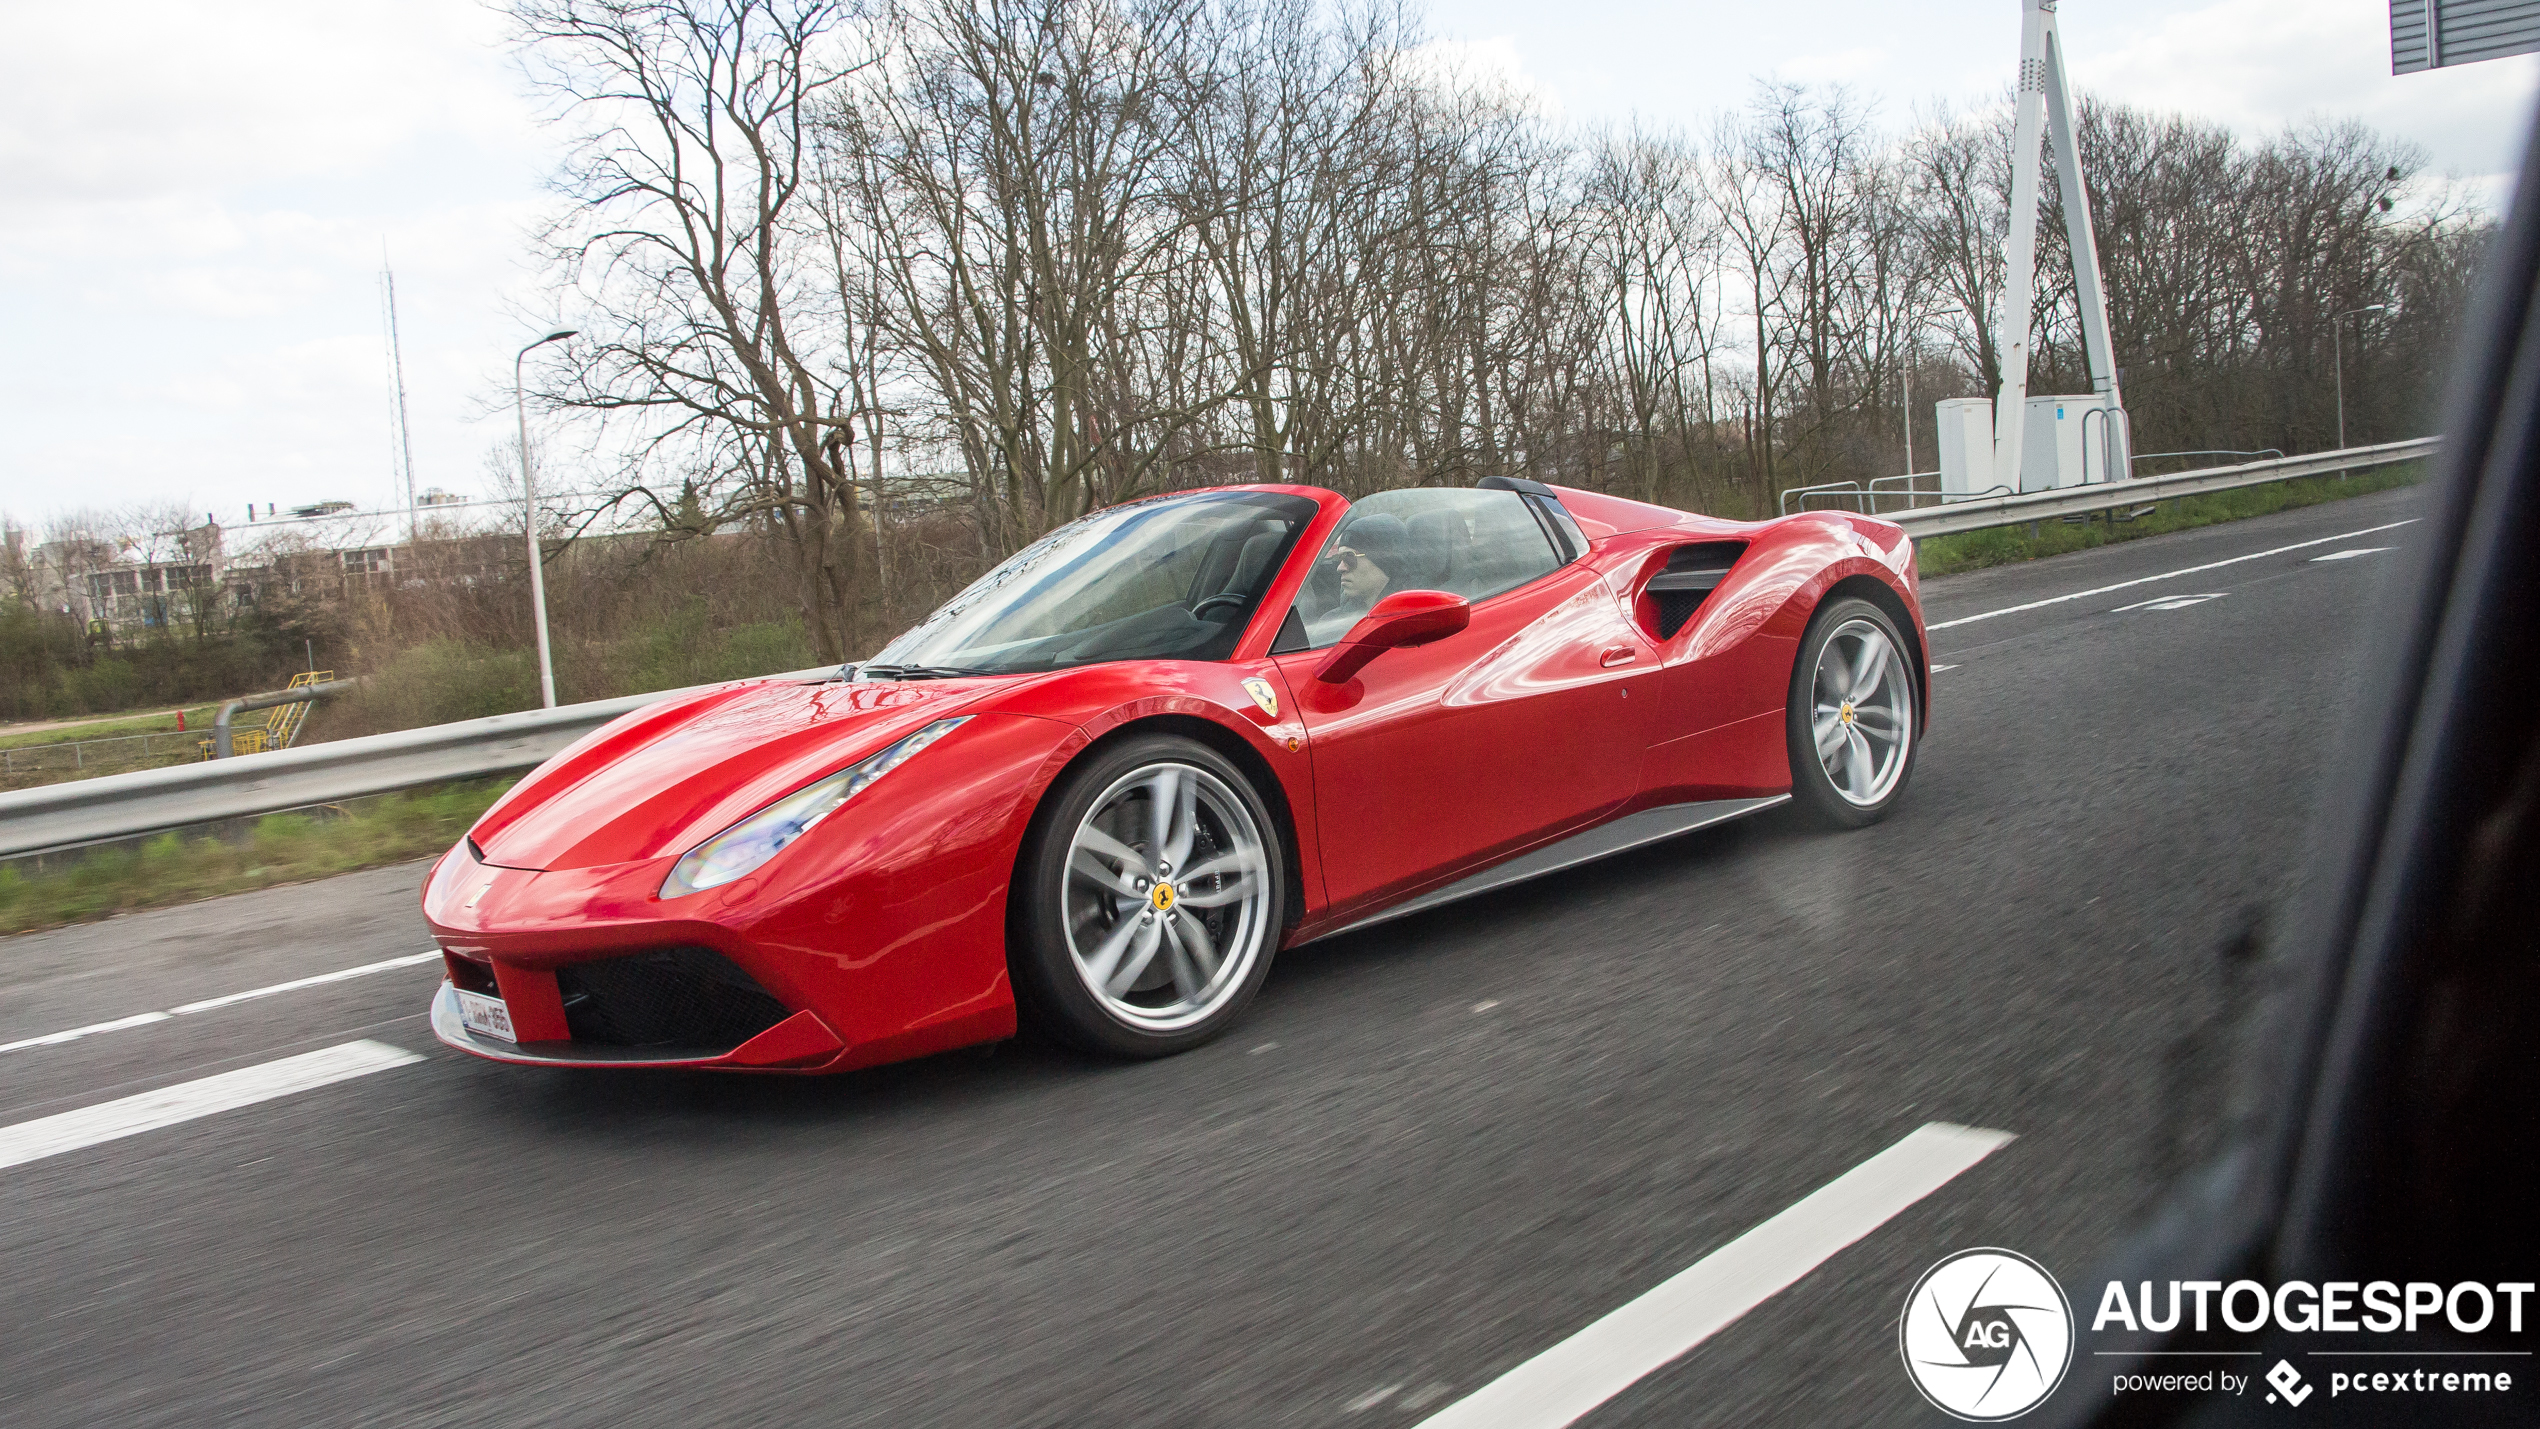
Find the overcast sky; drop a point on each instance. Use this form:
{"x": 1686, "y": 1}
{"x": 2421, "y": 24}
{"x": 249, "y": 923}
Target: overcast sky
{"x": 198, "y": 197}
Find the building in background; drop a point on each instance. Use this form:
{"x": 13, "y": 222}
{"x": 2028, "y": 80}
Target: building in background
{"x": 119, "y": 584}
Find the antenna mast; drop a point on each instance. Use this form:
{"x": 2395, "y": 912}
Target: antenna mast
{"x": 397, "y": 386}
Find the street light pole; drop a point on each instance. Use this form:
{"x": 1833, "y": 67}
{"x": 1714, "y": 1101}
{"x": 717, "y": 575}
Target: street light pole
{"x": 2337, "y": 347}
{"x": 529, "y": 499}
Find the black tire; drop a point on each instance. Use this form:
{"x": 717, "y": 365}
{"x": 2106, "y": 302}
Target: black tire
{"x": 1857, "y": 798}
{"x": 1062, "y": 925}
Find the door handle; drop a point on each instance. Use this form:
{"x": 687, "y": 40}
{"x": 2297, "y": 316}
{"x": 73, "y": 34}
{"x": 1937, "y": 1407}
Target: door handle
{"x": 1616, "y": 655}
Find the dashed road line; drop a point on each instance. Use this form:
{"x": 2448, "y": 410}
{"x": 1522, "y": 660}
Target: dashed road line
{"x": 144, "y": 1019}
{"x": 2166, "y": 575}
{"x": 186, "y": 1101}
{"x": 56, "y": 1039}
{"x": 1565, "y": 1382}
{"x": 296, "y": 984}
{"x": 2169, "y": 602}
{"x": 2350, "y": 555}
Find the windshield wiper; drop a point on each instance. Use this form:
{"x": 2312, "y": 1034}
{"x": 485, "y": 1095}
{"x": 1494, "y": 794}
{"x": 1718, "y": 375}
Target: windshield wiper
{"x": 917, "y": 672}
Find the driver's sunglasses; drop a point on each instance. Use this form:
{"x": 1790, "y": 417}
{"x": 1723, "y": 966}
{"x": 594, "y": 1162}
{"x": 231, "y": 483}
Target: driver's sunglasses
{"x": 1345, "y": 560}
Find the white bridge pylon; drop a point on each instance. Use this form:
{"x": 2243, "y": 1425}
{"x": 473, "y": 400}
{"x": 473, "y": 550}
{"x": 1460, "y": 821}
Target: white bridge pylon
{"x": 2045, "y": 102}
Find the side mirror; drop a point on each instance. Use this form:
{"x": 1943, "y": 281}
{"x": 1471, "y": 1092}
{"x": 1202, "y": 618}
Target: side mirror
{"x": 1406, "y": 617}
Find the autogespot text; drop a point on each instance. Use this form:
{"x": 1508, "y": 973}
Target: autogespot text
{"x": 2333, "y": 1307}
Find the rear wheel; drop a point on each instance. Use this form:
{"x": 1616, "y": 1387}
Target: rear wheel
{"x": 1852, "y": 708}
{"x": 1152, "y": 896}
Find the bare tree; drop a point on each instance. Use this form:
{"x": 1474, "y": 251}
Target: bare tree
{"x": 691, "y": 247}
{"x": 1010, "y": 166}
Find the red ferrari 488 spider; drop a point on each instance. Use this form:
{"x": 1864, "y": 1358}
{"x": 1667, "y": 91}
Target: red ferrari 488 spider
{"x": 1104, "y": 785}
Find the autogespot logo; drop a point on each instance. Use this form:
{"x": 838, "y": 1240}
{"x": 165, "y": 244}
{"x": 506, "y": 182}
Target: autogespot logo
{"x": 1987, "y": 1335}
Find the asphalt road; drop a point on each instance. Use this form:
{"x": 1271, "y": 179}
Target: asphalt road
{"x": 1433, "y": 1151}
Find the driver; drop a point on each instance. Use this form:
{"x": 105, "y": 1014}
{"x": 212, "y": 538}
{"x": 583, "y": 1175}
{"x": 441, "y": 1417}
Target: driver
{"x": 1371, "y": 552}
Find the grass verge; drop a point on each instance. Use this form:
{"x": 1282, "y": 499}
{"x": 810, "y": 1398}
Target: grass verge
{"x": 2004, "y": 545}
{"x": 279, "y": 848}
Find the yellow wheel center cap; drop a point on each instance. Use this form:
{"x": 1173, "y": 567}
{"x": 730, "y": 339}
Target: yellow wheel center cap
{"x": 1847, "y": 712}
{"x": 1161, "y": 896}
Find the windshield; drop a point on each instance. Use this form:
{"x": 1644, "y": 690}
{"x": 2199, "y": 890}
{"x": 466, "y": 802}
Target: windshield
{"x": 1174, "y": 578}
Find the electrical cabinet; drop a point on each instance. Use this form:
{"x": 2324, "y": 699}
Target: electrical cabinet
{"x": 2066, "y": 441}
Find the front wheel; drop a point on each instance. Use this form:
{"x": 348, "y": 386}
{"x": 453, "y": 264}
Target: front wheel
{"x": 1153, "y": 893}
{"x": 1852, "y": 707}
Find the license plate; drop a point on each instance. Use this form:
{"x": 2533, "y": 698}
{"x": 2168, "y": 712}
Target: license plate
{"x": 486, "y": 1016}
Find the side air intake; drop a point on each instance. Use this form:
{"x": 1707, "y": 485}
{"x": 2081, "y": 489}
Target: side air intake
{"x": 1692, "y": 573}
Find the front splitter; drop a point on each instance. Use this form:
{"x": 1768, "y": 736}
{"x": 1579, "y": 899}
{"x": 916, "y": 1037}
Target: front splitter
{"x": 800, "y": 1043}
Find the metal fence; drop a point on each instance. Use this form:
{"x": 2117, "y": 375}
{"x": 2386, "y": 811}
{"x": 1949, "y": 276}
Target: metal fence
{"x": 101, "y": 756}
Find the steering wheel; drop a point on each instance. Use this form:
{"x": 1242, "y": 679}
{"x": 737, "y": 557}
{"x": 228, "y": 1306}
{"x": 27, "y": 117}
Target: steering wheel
{"x": 1234, "y": 598}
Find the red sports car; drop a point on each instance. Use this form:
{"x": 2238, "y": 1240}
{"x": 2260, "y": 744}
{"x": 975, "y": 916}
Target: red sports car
{"x": 1101, "y": 787}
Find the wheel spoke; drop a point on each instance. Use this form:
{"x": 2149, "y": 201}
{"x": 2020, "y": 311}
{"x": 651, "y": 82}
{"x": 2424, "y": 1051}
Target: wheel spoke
{"x": 1089, "y": 868}
{"x": 1871, "y": 668}
{"x": 1098, "y": 967}
{"x": 1241, "y": 859}
{"x": 1191, "y": 973}
{"x": 1191, "y": 935}
{"x": 1090, "y": 839}
{"x": 1185, "y": 825}
{"x": 1163, "y": 794}
{"x": 1860, "y": 769}
{"x": 1829, "y": 730}
{"x": 1827, "y": 670}
{"x": 1243, "y": 887}
{"x": 1141, "y": 952}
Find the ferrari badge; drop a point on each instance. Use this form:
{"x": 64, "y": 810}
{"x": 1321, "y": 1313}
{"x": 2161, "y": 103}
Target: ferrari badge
{"x": 1263, "y": 696}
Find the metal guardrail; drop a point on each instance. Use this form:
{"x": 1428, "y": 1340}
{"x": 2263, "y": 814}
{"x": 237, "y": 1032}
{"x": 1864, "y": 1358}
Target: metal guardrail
{"x": 146, "y": 801}
{"x": 2210, "y": 451}
{"x": 58, "y": 816}
{"x": 1980, "y": 513}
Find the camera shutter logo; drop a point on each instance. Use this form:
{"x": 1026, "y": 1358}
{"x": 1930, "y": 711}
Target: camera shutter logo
{"x": 1987, "y": 1334}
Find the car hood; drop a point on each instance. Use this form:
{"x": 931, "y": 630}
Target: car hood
{"x": 663, "y": 778}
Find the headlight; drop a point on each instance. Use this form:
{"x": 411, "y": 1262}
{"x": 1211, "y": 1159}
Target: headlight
{"x": 763, "y": 835}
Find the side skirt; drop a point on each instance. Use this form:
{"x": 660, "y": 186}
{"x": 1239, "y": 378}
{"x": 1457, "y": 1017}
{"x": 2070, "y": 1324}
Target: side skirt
{"x": 1605, "y": 840}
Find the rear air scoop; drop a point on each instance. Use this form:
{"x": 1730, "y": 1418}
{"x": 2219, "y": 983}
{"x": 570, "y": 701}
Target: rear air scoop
{"x": 661, "y": 779}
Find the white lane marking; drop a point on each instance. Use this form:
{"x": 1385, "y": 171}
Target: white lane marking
{"x": 1936, "y": 669}
{"x": 1563, "y": 1383}
{"x": 2169, "y": 602}
{"x": 1369, "y": 1400}
{"x": 56, "y": 1039}
{"x": 144, "y": 1019}
{"x": 2350, "y": 555}
{"x": 2168, "y": 575}
{"x": 205, "y": 1096}
{"x": 365, "y": 970}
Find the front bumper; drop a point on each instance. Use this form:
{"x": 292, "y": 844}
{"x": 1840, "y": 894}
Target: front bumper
{"x": 800, "y": 1043}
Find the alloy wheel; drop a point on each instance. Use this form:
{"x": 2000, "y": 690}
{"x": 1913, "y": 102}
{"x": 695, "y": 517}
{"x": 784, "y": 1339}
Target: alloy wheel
{"x": 1166, "y": 896}
{"x": 1862, "y": 712}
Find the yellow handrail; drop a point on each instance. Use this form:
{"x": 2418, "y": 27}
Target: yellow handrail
{"x": 281, "y": 726}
